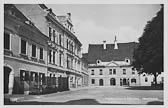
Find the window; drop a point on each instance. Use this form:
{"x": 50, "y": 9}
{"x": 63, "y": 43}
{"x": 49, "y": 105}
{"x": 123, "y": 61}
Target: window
{"x": 127, "y": 60}
{"x": 93, "y": 81}
{"x": 110, "y": 71}
{"x": 50, "y": 55}
{"x": 33, "y": 50}
{"x": 60, "y": 40}
{"x": 50, "y": 80}
{"x": 34, "y": 76}
{"x": 92, "y": 72}
{"x": 68, "y": 62}
{"x": 23, "y": 46}
{"x": 54, "y": 36}
{"x": 146, "y": 79}
{"x": 24, "y": 75}
{"x": 50, "y": 34}
{"x": 41, "y": 78}
{"x": 124, "y": 71}
{"x": 133, "y": 71}
{"x": 7, "y": 41}
{"x": 71, "y": 63}
{"x": 61, "y": 59}
{"x": 67, "y": 43}
{"x": 114, "y": 71}
{"x": 41, "y": 53}
{"x": 101, "y": 72}
{"x": 98, "y": 61}
{"x": 54, "y": 57}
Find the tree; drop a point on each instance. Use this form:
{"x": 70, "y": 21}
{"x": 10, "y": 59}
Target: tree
{"x": 149, "y": 53}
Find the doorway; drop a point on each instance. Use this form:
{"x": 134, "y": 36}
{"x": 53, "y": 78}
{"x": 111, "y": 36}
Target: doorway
{"x": 7, "y": 71}
{"x": 124, "y": 81}
{"x": 112, "y": 81}
{"x": 101, "y": 82}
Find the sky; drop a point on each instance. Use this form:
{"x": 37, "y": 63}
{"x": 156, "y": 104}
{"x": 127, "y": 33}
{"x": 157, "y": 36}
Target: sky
{"x": 94, "y": 23}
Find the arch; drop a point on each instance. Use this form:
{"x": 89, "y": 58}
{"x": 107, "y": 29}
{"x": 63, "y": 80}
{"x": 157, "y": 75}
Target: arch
{"x": 112, "y": 81}
{"x": 100, "y": 82}
{"x": 8, "y": 79}
{"x": 133, "y": 80}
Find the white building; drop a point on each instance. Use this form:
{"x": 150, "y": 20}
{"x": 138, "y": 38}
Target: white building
{"x": 110, "y": 65}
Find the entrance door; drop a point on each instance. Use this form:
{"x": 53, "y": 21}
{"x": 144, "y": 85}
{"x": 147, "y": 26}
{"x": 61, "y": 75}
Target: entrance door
{"x": 124, "y": 81}
{"x": 101, "y": 82}
{"x": 7, "y": 71}
{"x": 112, "y": 81}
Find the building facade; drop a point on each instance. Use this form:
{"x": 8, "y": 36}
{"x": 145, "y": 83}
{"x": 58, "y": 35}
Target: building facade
{"x": 51, "y": 51}
{"x": 110, "y": 65}
{"x": 25, "y": 54}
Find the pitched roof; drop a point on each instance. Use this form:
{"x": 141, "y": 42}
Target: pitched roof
{"x": 96, "y": 52}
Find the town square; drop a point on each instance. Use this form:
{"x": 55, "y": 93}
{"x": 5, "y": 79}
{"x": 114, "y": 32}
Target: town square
{"x": 83, "y": 54}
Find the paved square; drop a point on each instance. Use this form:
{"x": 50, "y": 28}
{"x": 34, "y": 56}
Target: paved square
{"x": 100, "y": 96}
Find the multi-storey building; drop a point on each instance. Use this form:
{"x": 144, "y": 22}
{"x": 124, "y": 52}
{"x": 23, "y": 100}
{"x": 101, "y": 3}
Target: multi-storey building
{"x": 110, "y": 65}
{"x": 25, "y": 53}
{"x": 64, "y": 49}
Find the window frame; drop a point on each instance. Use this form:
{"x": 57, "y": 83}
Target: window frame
{"x": 110, "y": 71}
{"x": 124, "y": 71}
{"x": 54, "y": 33}
{"x": 50, "y": 33}
{"x": 133, "y": 71}
{"x": 93, "y": 81}
{"x": 10, "y": 40}
{"x": 53, "y": 57}
{"x": 114, "y": 72}
{"x": 101, "y": 72}
{"x": 50, "y": 56}
{"x": 92, "y": 72}
{"x": 42, "y": 53}
{"x": 21, "y": 46}
{"x": 146, "y": 79}
{"x": 35, "y": 51}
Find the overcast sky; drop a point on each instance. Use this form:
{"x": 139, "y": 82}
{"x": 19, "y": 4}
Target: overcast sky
{"x": 94, "y": 23}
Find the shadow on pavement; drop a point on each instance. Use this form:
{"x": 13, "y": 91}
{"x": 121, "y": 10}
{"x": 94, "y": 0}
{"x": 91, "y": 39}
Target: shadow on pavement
{"x": 73, "y": 102}
{"x": 145, "y": 88}
{"x": 155, "y": 103}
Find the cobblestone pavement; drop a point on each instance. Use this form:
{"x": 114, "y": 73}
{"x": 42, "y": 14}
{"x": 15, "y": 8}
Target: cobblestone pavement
{"x": 100, "y": 96}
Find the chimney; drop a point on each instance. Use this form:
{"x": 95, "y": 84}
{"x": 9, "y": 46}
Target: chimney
{"x": 115, "y": 43}
{"x": 104, "y": 44}
{"x": 69, "y": 15}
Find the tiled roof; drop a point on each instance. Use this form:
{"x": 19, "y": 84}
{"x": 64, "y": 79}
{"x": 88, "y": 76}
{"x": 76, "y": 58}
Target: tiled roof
{"x": 96, "y": 52}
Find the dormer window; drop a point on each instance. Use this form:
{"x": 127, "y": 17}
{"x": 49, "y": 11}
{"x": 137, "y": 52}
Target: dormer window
{"x": 98, "y": 61}
{"x": 127, "y": 60}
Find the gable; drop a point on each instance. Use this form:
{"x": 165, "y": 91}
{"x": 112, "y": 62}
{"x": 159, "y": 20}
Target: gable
{"x": 112, "y": 64}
